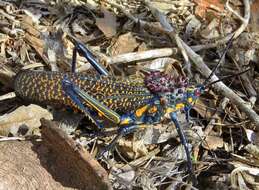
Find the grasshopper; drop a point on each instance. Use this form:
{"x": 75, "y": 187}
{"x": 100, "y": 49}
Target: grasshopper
{"x": 127, "y": 103}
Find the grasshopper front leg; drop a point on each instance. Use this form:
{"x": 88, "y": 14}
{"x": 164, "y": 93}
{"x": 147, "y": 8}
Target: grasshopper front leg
{"x": 173, "y": 116}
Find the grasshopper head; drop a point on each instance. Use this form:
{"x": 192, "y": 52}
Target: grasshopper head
{"x": 195, "y": 91}
{"x": 181, "y": 97}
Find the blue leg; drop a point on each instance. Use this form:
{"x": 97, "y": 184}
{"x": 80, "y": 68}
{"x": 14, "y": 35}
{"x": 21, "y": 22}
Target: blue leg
{"x": 70, "y": 92}
{"x": 73, "y": 70}
{"x": 100, "y": 133}
{"x": 187, "y": 113}
{"x": 184, "y": 143}
{"x": 80, "y": 48}
{"x": 121, "y": 132}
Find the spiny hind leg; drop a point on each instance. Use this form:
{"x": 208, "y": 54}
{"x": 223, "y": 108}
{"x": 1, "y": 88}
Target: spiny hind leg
{"x": 73, "y": 96}
{"x": 81, "y": 49}
{"x": 81, "y": 98}
{"x": 126, "y": 122}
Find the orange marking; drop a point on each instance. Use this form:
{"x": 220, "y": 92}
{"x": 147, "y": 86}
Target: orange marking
{"x": 153, "y": 109}
{"x": 179, "y": 106}
{"x": 100, "y": 114}
{"x": 139, "y": 112}
{"x": 125, "y": 121}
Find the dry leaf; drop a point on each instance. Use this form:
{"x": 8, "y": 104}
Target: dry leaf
{"x": 251, "y": 136}
{"x": 132, "y": 148}
{"x": 253, "y": 149}
{"x": 163, "y": 6}
{"x": 107, "y": 24}
{"x": 211, "y": 32}
{"x": 126, "y": 173}
{"x": 193, "y": 26}
{"x": 244, "y": 177}
{"x": 205, "y": 107}
{"x": 28, "y": 116}
{"x": 160, "y": 63}
{"x": 125, "y": 43}
{"x": 203, "y": 6}
{"x": 212, "y": 142}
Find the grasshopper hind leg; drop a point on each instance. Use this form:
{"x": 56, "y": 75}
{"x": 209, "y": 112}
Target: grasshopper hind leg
{"x": 77, "y": 96}
{"x": 80, "y": 48}
{"x": 72, "y": 95}
{"x": 73, "y": 64}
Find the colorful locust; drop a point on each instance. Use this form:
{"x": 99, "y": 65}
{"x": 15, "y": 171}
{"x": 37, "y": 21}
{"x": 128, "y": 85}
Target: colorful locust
{"x": 128, "y": 103}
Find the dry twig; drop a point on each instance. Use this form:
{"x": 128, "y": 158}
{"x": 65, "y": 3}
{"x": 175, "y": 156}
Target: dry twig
{"x": 2, "y": 139}
{"x": 9, "y": 95}
{"x": 141, "y": 56}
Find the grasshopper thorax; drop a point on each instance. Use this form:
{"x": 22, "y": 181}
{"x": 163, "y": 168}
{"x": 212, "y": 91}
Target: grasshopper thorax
{"x": 160, "y": 82}
{"x": 172, "y": 91}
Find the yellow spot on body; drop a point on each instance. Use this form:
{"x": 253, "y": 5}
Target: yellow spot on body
{"x": 179, "y": 106}
{"x": 190, "y": 100}
{"x": 110, "y": 101}
{"x": 139, "y": 112}
{"x": 170, "y": 110}
{"x": 100, "y": 114}
{"x": 125, "y": 121}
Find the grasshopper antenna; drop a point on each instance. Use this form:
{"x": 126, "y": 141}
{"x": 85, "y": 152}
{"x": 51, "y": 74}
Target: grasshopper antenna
{"x": 219, "y": 62}
{"x": 227, "y": 77}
